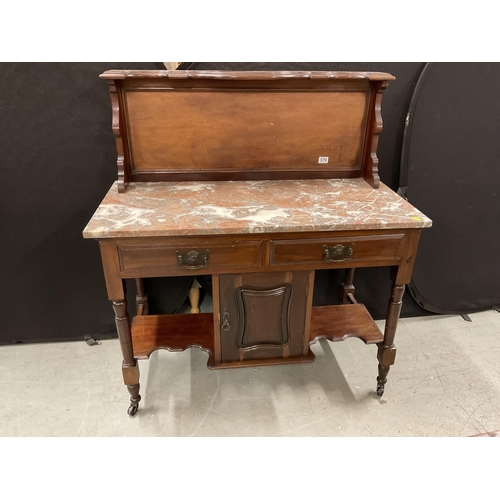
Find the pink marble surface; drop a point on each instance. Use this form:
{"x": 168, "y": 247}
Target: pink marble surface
{"x": 240, "y": 207}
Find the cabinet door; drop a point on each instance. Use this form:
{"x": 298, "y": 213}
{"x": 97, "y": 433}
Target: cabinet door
{"x": 263, "y": 315}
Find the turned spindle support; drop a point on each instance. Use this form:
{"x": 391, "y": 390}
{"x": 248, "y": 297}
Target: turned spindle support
{"x": 141, "y": 298}
{"x": 347, "y": 287}
{"x": 130, "y": 367}
{"x": 386, "y": 349}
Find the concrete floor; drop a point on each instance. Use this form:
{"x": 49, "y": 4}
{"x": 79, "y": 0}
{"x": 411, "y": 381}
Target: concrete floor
{"x": 446, "y": 382}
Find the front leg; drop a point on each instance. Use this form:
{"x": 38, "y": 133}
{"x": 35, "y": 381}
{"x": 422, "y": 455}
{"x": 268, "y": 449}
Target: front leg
{"x": 401, "y": 276}
{"x": 386, "y": 349}
{"x": 130, "y": 367}
{"x": 115, "y": 286}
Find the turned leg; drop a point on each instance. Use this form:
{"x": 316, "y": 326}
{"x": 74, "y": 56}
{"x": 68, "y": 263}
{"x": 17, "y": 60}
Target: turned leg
{"x": 130, "y": 367}
{"x": 194, "y": 297}
{"x": 386, "y": 349}
{"x": 347, "y": 287}
{"x": 141, "y": 298}
{"x": 401, "y": 276}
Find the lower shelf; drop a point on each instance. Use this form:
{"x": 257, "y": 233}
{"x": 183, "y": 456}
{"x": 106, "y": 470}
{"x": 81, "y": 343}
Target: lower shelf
{"x": 177, "y": 332}
{"x": 337, "y": 323}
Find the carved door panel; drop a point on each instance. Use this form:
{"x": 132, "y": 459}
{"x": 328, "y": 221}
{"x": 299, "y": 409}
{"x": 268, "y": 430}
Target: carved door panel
{"x": 263, "y": 315}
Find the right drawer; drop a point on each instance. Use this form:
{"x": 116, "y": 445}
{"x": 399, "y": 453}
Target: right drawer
{"x": 327, "y": 251}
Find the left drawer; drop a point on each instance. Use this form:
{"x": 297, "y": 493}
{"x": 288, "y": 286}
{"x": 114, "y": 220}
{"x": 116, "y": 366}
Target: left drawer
{"x": 183, "y": 257}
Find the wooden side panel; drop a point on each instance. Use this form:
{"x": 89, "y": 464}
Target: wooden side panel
{"x": 401, "y": 275}
{"x": 111, "y": 268}
{"x": 370, "y": 163}
{"x": 117, "y": 123}
{"x": 238, "y": 130}
{"x": 263, "y": 315}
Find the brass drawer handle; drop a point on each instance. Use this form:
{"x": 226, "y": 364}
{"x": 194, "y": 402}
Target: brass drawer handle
{"x": 193, "y": 259}
{"x": 338, "y": 253}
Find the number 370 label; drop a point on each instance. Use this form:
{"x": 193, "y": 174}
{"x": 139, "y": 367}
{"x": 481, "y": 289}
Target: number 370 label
{"x": 323, "y": 159}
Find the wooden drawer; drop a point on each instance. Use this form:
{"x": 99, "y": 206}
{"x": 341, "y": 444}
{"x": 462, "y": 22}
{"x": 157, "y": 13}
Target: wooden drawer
{"x": 185, "y": 257}
{"x": 329, "y": 251}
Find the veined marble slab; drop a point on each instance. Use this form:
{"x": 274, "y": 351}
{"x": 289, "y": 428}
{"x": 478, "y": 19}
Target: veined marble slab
{"x": 239, "y": 207}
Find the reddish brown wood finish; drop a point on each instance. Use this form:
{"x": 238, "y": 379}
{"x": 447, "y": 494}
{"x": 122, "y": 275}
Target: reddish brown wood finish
{"x": 368, "y": 248}
{"x": 347, "y": 287}
{"x": 386, "y": 349}
{"x": 118, "y": 120}
{"x": 332, "y": 322}
{"x": 175, "y": 332}
{"x": 184, "y": 125}
{"x": 217, "y": 318}
{"x": 391, "y": 246}
{"x": 342, "y": 322}
{"x": 141, "y": 297}
{"x": 130, "y": 368}
{"x": 183, "y": 331}
{"x": 263, "y": 315}
{"x": 163, "y": 255}
{"x": 112, "y": 272}
{"x": 370, "y": 164}
{"x": 253, "y": 363}
{"x": 178, "y": 125}
{"x": 149, "y": 257}
{"x": 245, "y": 131}
{"x": 309, "y": 307}
{"x": 401, "y": 274}
{"x": 180, "y": 332}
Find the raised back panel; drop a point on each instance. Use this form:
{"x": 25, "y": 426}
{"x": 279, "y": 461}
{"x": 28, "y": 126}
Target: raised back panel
{"x": 182, "y": 125}
{"x": 245, "y": 130}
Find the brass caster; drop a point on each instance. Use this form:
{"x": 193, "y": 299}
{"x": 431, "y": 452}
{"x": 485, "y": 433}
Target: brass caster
{"x": 380, "y": 390}
{"x": 132, "y": 410}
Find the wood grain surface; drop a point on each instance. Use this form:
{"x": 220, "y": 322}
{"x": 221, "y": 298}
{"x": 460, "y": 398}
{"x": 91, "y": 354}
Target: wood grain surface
{"x": 243, "y": 130}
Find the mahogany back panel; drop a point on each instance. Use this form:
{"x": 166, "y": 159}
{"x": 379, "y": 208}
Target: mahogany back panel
{"x": 181, "y": 125}
{"x": 245, "y": 130}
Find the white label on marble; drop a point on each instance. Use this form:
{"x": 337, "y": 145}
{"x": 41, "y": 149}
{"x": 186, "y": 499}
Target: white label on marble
{"x": 323, "y": 159}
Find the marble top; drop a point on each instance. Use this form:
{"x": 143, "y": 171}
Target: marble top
{"x": 242, "y": 207}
